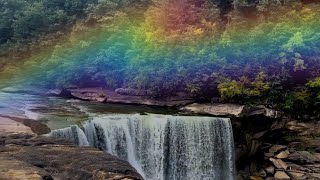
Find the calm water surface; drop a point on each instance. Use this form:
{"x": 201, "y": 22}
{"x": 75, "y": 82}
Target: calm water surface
{"x": 59, "y": 113}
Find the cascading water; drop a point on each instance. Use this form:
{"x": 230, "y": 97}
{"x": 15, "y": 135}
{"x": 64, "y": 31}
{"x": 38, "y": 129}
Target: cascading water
{"x": 73, "y": 134}
{"x": 165, "y": 147}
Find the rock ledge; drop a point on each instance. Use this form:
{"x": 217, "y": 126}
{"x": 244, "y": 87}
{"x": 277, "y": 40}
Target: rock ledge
{"x": 27, "y": 156}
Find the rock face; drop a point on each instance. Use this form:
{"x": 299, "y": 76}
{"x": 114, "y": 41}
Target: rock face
{"x": 215, "y": 109}
{"x": 289, "y": 149}
{"x": 27, "y": 156}
{"x": 122, "y": 96}
{"x": 132, "y": 92}
{"x": 231, "y": 110}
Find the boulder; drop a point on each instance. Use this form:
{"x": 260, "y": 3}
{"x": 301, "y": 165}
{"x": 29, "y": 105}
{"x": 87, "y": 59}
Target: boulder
{"x": 302, "y": 157}
{"x": 297, "y": 175}
{"x": 270, "y": 170}
{"x": 262, "y": 110}
{"x": 262, "y": 173}
{"x": 283, "y": 154}
{"x": 279, "y": 163}
{"x": 280, "y": 175}
{"x": 277, "y": 148}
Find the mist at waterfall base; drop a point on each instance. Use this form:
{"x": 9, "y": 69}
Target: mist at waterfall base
{"x": 162, "y": 147}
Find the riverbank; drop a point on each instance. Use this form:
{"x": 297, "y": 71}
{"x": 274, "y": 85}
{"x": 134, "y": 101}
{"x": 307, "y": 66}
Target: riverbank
{"x": 26, "y": 155}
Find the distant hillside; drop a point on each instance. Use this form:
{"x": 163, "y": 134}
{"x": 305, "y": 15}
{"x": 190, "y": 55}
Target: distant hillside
{"x": 244, "y": 51}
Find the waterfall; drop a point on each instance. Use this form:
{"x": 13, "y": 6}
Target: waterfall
{"x": 164, "y": 147}
{"x": 73, "y": 134}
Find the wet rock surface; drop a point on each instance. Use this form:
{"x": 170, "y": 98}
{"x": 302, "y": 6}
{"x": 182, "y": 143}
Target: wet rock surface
{"x": 28, "y": 156}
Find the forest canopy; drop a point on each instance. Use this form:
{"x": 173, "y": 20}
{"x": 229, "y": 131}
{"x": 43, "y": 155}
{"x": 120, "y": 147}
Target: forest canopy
{"x": 243, "y": 51}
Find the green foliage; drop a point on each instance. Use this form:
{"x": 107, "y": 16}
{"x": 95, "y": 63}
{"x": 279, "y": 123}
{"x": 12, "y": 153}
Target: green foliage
{"x": 243, "y": 51}
{"x": 230, "y": 89}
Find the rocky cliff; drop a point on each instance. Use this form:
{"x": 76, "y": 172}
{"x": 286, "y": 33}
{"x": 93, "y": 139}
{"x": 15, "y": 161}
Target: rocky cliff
{"x": 283, "y": 148}
{"x": 25, "y": 155}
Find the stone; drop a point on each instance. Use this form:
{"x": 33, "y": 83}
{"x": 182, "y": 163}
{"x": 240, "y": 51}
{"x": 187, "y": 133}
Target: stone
{"x": 280, "y": 175}
{"x": 315, "y": 175}
{"x": 32, "y": 126}
{"x": 283, "y": 154}
{"x": 313, "y": 167}
{"x": 216, "y": 109}
{"x": 269, "y": 178}
{"x": 297, "y": 175}
{"x": 12, "y": 169}
{"x": 302, "y": 157}
{"x": 262, "y": 173}
{"x": 132, "y": 92}
{"x": 9, "y": 125}
{"x": 110, "y": 96}
{"x": 270, "y": 170}
{"x": 317, "y": 157}
{"x": 262, "y": 110}
{"x": 296, "y": 167}
{"x": 277, "y": 148}
{"x": 268, "y": 155}
{"x": 259, "y": 135}
{"x": 41, "y": 157}
{"x": 279, "y": 163}
{"x": 256, "y": 178}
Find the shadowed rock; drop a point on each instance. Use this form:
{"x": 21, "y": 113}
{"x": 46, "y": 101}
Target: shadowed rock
{"x": 27, "y": 156}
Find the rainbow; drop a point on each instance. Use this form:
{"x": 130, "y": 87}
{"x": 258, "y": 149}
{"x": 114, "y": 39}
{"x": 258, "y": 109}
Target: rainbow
{"x": 176, "y": 44}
